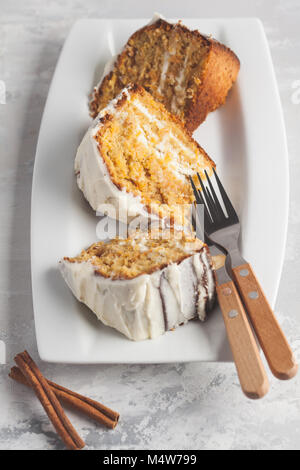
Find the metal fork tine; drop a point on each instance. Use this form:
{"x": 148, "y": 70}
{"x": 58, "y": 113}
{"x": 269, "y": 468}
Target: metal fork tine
{"x": 196, "y": 194}
{"x": 200, "y": 200}
{"x": 216, "y": 200}
{"x": 211, "y": 203}
{"x": 209, "y": 199}
{"x": 207, "y": 223}
{"x": 209, "y": 195}
{"x": 201, "y": 183}
{"x": 207, "y": 215}
{"x": 215, "y": 219}
{"x": 229, "y": 207}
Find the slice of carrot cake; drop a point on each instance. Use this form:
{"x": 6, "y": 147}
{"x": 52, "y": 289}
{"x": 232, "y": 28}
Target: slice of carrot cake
{"x": 143, "y": 286}
{"x": 138, "y": 157}
{"x": 190, "y": 73}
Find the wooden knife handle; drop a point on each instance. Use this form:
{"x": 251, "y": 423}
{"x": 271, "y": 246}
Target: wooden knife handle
{"x": 271, "y": 337}
{"x": 251, "y": 372}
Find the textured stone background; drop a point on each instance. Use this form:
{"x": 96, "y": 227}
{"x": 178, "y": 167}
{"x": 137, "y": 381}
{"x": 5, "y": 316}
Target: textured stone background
{"x": 167, "y": 406}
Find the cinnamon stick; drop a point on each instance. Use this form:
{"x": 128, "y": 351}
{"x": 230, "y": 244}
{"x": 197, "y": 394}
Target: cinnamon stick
{"x": 49, "y": 401}
{"x": 91, "y": 408}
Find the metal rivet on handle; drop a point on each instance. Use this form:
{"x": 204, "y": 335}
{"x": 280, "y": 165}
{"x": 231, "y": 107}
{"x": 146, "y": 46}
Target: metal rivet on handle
{"x": 226, "y": 291}
{"x": 244, "y": 272}
{"x": 253, "y": 294}
{"x": 233, "y": 313}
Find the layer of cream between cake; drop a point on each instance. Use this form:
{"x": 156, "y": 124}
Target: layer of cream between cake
{"x": 109, "y": 66}
{"x": 142, "y": 307}
{"x": 93, "y": 177}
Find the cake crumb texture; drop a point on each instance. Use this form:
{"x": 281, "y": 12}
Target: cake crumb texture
{"x": 140, "y": 253}
{"x": 149, "y": 154}
{"x": 191, "y": 74}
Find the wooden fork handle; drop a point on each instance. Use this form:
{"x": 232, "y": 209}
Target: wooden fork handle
{"x": 251, "y": 372}
{"x": 271, "y": 337}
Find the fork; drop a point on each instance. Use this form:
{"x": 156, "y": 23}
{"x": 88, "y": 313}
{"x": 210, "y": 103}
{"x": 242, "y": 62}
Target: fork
{"x": 224, "y": 231}
{"x": 252, "y": 375}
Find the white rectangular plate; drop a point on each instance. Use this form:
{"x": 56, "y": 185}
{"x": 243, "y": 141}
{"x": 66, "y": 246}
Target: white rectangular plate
{"x": 245, "y": 137}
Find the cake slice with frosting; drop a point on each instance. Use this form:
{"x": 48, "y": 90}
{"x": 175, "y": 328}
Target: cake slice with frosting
{"x": 144, "y": 285}
{"x": 190, "y": 73}
{"x": 137, "y": 157}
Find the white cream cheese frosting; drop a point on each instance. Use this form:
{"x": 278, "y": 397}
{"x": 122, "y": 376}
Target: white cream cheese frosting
{"x": 93, "y": 176}
{"x": 147, "y": 305}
